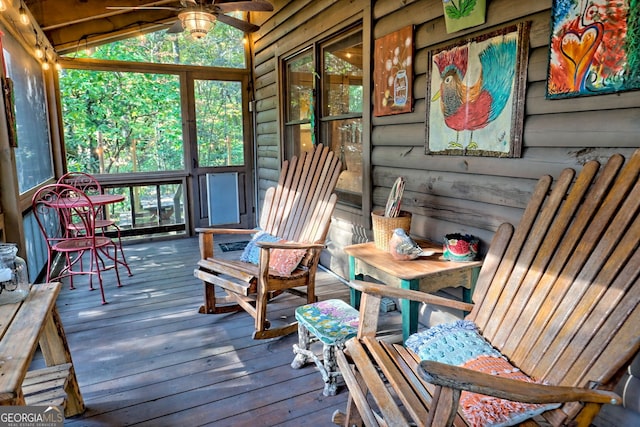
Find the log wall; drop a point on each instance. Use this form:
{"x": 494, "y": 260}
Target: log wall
{"x": 444, "y": 193}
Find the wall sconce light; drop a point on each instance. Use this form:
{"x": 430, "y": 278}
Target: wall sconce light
{"x": 197, "y": 23}
{"x": 3, "y": 5}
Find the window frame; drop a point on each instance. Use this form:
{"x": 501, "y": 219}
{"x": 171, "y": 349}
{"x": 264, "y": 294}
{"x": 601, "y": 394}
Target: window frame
{"x": 361, "y": 215}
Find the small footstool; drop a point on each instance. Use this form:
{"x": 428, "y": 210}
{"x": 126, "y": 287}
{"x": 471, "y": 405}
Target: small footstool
{"x": 332, "y": 322}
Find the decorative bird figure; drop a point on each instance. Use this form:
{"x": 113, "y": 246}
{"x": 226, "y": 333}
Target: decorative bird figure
{"x": 404, "y": 248}
{"x": 472, "y": 107}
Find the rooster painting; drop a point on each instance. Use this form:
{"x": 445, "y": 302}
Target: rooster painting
{"x": 471, "y": 100}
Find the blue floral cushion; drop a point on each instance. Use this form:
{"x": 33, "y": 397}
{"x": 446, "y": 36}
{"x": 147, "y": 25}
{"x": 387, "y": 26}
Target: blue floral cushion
{"x": 332, "y": 321}
{"x": 461, "y": 344}
{"x": 451, "y": 343}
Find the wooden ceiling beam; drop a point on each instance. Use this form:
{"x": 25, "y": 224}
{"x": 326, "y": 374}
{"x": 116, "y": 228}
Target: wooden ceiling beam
{"x": 90, "y": 33}
{"x": 52, "y": 14}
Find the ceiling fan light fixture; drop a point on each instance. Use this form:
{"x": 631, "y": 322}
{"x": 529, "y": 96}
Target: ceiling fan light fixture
{"x": 197, "y": 23}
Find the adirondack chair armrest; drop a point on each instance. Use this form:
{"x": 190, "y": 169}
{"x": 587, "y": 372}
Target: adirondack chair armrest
{"x": 460, "y": 378}
{"x": 206, "y": 236}
{"x": 224, "y": 231}
{"x": 389, "y": 291}
{"x": 290, "y": 245}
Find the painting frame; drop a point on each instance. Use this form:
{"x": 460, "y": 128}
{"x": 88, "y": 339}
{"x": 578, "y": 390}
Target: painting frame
{"x": 393, "y": 73}
{"x": 499, "y": 125}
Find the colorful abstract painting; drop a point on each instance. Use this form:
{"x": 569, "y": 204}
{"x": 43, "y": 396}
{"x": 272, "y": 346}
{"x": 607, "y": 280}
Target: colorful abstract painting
{"x": 393, "y": 73}
{"x": 475, "y": 94}
{"x": 594, "y": 47}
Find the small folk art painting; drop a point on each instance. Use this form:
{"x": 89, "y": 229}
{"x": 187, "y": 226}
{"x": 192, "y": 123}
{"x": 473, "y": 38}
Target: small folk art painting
{"x": 475, "y": 94}
{"x": 9, "y": 110}
{"x": 393, "y": 73}
{"x": 594, "y": 47}
{"x": 9, "y": 98}
{"x": 461, "y": 14}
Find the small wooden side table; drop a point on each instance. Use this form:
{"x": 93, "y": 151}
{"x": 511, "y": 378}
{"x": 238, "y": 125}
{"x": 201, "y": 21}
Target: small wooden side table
{"x": 24, "y": 326}
{"x": 426, "y": 274}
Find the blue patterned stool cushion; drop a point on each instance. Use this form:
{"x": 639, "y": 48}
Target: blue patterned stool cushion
{"x": 332, "y": 321}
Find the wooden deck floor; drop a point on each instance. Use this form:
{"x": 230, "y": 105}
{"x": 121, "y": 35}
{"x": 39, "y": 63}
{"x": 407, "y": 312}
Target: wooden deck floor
{"x": 148, "y": 358}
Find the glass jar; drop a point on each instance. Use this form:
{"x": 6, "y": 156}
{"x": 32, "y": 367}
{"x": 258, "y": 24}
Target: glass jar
{"x": 400, "y": 83}
{"x": 14, "y": 281}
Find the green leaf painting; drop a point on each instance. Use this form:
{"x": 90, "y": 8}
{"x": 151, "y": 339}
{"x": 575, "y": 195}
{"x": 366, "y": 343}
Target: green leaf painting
{"x": 460, "y": 10}
{"x": 461, "y": 14}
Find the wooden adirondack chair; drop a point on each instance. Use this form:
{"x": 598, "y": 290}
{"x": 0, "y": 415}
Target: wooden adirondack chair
{"x": 297, "y": 210}
{"x": 558, "y": 297}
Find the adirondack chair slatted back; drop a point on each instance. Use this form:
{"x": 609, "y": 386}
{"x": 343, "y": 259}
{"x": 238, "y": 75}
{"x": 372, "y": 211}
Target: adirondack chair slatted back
{"x": 298, "y": 209}
{"x": 566, "y": 288}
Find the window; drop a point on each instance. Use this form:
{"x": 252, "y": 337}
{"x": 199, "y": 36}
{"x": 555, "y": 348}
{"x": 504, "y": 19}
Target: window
{"x": 150, "y": 129}
{"x": 219, "y": 123}
{"x": 121, "y": 122}
{"x": 324, "y": 101}
{"x": 300, "y": 73}
{"x": 341, "y": 106}
{"x": 222, "y": 47}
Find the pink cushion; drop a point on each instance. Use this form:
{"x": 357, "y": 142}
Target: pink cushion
{"x": 284, "y": 261}
{"x": 481, "y": 410}
{"x": 461, "y": 344}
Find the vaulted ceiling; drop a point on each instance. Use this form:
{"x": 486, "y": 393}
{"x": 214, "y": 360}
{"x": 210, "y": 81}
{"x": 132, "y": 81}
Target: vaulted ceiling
{"x": 73, "y": 24}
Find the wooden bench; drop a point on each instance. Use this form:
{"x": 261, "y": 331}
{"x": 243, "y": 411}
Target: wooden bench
{"x": 25, "y": 326}
{"x": 558, "y": 296}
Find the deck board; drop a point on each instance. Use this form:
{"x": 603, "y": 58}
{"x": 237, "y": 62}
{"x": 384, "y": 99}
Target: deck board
{"x": 148, "y": 357}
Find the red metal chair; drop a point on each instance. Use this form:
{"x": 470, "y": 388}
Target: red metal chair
{"x": 53, "y": 206}
{"x": 89, "y": 185}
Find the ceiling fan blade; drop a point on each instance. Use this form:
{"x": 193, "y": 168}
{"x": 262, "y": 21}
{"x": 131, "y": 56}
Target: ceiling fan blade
{"x": 177, "y": 27}
{"x": 143, "y": 8}
{"x": 238, "y": 23}
{"x": 245, "y": 6}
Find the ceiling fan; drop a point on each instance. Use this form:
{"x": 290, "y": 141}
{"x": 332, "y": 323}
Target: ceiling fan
{"x": 198, "y": 16}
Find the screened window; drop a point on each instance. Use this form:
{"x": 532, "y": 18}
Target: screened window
{"x": 156, "y": 128}
{"x": 219, "y": 123}
{"x": 324, "y": 102}
{"x": 121, "y": 122}
{"x": 221, "y": 47}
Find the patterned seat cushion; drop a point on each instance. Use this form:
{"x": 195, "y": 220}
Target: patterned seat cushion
{"x": 332, "y": 321}
{"x": 283, "y": 261}
{"x": 461, "y": 344}
{"x": 251, "y": 252}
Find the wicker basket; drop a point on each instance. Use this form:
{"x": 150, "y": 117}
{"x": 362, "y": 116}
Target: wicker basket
{"x": 383, "y": 227}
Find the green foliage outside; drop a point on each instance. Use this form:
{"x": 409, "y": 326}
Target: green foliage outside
{"x": 219, "y": 123}
{"x": 119, "y": 122}
{"x": 222, "y": 47}
{"x": 123, "y": 122}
